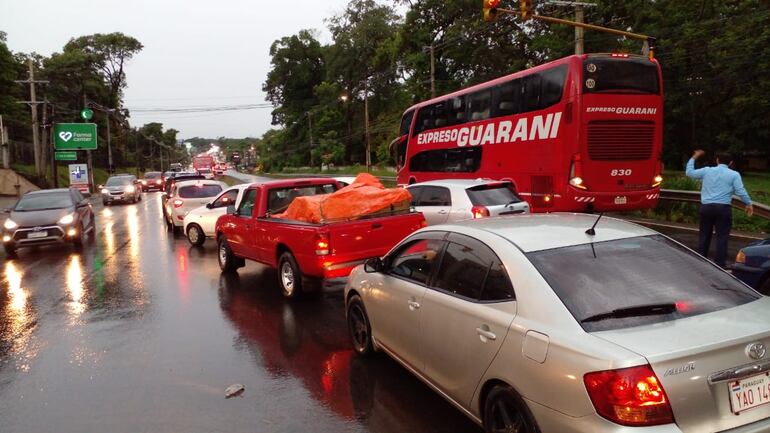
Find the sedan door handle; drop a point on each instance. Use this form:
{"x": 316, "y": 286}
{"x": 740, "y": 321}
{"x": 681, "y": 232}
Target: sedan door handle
{"x": 442, "y": 212}
{"x": 414, "y": 305}
{"x": 486, "y": 334}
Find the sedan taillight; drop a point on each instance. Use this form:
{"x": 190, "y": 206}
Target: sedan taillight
{"x": 629, "y": 396}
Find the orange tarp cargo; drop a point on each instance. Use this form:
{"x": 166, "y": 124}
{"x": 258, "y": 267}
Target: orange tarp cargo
{"x": 365, "y": 196}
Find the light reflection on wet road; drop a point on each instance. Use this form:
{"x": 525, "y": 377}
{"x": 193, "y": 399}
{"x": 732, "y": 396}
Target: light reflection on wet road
{"x": 140, "y": 332}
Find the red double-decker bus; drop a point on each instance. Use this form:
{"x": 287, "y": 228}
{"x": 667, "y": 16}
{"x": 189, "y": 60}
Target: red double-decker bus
{"x": 583, "y": 133}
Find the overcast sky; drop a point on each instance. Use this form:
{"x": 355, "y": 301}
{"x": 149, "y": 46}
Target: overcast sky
{"x": 196, "y": 52}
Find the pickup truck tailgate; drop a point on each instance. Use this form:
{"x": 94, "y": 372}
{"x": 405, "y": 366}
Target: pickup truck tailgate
{"x": 352, "y": 242}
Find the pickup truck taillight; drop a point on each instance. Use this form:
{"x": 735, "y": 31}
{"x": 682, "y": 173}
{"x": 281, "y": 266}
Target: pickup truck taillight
{"x": 629, "y": 396}
{"x": 178, "y": 203}
{"x": 322, "y": 244}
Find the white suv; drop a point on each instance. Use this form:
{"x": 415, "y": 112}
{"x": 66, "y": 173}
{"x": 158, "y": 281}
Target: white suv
{"x": 451, "y": 200}
{"x": 188, "y": 195}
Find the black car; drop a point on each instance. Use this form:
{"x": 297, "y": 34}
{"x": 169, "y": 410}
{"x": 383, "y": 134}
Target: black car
{"x": 50, "y": 216}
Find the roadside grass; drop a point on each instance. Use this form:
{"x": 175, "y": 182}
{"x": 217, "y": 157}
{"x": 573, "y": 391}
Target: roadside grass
{"x": 757, "y": 184}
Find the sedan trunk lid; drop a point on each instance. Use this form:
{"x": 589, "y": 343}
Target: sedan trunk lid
{"x": 702, "y": 360}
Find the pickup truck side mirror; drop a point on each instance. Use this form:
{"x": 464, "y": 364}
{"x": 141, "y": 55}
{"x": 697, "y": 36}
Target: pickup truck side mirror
{"x": 373, "y": 265}
{"x": 231, "y": 210}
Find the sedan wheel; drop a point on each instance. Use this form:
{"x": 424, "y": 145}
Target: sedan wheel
{"x": 359, "y": 328}
{"x": 195, "y": 235}
{"x": 506, "y": 412}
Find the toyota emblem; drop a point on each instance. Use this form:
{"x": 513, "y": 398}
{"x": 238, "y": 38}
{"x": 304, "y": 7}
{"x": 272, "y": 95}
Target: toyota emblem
{"x": 756, "y": 351}
{"x": 37, "y": 229}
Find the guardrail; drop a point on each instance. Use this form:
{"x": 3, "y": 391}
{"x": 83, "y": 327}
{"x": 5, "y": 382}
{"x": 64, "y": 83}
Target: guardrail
{"x": 760, "y": 210}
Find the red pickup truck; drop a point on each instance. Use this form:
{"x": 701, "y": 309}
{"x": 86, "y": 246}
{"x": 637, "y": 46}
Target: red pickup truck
{"x": 300, "y": 249}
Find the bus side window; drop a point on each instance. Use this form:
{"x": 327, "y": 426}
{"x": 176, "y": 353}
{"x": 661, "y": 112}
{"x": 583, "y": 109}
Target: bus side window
{"x": 508, "y": 101}
{"x": 479, "y": 105}
{"x": 424, "y": 120}
{"x": 406, "y": 123}
{"x": 553, "y": 86}
{"x": 531, "y": 93}
{"x": 456, "y": 111}
{"x": 439, "y": 114}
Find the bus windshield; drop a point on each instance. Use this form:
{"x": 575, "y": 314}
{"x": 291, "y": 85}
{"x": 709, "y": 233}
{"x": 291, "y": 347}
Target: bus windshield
{"x": 620, "y": 75}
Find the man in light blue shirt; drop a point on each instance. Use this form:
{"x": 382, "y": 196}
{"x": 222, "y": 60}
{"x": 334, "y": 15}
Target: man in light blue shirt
{"x": 716, "y": 196}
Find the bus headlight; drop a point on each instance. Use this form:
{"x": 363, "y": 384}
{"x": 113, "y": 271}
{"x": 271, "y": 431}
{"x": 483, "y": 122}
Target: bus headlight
{"x": 656, "y": 181}
{"x": 577, "y": 182}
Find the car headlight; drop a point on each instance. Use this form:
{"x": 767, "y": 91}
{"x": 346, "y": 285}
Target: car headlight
{"x": 741, "y": 257}
{"x": 130, "y": 188}
{"x": 9, "y": 224}
{"x": 144, "y": 182}
{"x": 67, "y": 219}
{"x": 105, "y": 191}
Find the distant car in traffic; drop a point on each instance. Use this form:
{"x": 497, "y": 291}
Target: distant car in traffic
{"x": 187, "y": 195}
{"x": 206, "y": 172}
{"x": 533, "y": 323}
{"x": 446, "y": 201}
{"x": 200, "y": 223}
{"x": 152, "y": 181}
{"x": 752, "y": 266}
{"x": 345, "y": 180}
{"x": 49, "y": 216}
{"x": 124, "y": 188}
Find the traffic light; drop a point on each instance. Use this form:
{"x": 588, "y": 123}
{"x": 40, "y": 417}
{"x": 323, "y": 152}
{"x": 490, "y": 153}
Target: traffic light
{"x": 526, "y": 9}
{"x": 490, "y": 9}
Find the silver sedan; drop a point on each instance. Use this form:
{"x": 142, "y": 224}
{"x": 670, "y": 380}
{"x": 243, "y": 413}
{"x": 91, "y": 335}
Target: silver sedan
{"x": 536, "y": 324}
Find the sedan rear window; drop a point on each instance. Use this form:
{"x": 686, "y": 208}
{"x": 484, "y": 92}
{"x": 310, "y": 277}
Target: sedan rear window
{"x": 595, "y": 280}
{"x": 492, "y": 195}
{"x": 199, "y": 191}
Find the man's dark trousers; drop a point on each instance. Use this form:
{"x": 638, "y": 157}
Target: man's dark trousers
{"x": 717, "y": 217}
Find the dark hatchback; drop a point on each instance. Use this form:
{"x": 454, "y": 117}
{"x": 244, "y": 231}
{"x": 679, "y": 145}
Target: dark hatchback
{"x": 51, "y": 216}
{"x": 752, "y": 266}
{"x": 152, "y": 181}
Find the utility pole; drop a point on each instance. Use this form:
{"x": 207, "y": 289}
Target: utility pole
{"x": 310, "y": 133}
{"x": 366, "y": 129}
{"x": 4, "y": 144}
{"x": 432, "y": 50}
{"x": 33, "y": 103}
{"x": 579, "y": 31}
{"x": 109, "y": 144}
{"x": 89, "y": 156}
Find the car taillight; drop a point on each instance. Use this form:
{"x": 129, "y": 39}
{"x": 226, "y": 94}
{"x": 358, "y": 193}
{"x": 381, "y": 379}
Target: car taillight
{"x": 741, "y": 257}
{"x": 629, "y": 396}
{"x": 178, "y": 203}
{"x": 479, "y": 212}
{"x": 322, "y": 244}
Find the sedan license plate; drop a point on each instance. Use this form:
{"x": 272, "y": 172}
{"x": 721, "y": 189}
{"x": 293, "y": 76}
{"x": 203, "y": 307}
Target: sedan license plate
{"x": 37, "y": 235}
{"x": 621, "y": 200}
{"x": 749, "y": 393}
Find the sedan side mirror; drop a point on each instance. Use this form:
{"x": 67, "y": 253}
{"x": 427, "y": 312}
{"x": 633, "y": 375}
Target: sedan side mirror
{"x": 210, "y": 205}
{"x": 373, "y": 265}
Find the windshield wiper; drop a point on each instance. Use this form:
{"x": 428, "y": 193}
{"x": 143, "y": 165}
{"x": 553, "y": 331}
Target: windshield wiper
{"x": 636, "y": 311}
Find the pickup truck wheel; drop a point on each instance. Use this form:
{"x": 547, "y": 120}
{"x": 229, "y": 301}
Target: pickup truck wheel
{"x": 289, "y": 276}
{"x": 195, "y": 235}
{"x": 359, "y": 328}
{"x": 227, "y": 260}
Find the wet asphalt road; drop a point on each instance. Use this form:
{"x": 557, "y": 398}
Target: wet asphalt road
{"x": 140, "y": 332}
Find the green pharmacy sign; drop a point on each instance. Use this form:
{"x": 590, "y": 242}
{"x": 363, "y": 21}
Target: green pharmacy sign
{"x": 74, "y": 136}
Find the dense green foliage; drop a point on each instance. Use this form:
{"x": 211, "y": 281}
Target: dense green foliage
{"x": 715, "y": 58}
{"x": 89, "y": 71}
